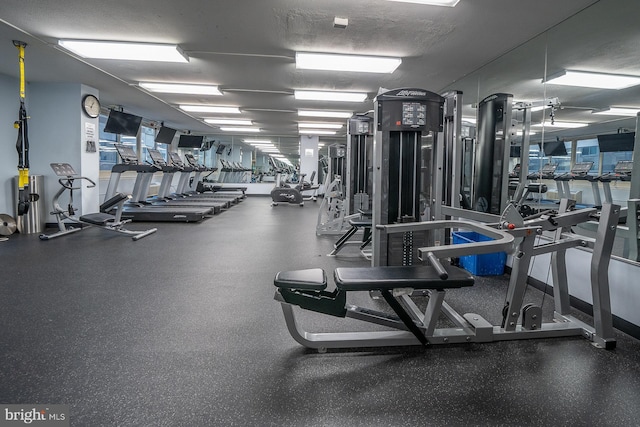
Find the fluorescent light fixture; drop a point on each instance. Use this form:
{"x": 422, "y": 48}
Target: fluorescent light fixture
{"x": 354, "y": 63}
{"x": 278, "y": 156}
{"x": 561, "y": 125}
{"x": 98, "y": 49}
{"x": 229, "y": 122}
{"x": 188, "y": 89}
{"x": 210, "y": 109}
{"x": 316, "y": 132}
{"x": 448, "y": 3}
{"x": 540, "y": 108}
{"x": 240, "y": 129}
{"x": 619, "y": 111}
{"x": 320, "y": 125}
{"x": 317, "y": 95}
{"x": 325, "y": 114}
{"x": 257, "y": 141}
{"x": 593, "y": 80}
{"x": 469, "y": 119}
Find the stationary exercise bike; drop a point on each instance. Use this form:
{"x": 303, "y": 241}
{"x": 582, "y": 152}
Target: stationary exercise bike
{"x": 102, "y": 219}
{"x": 284, "y": 193}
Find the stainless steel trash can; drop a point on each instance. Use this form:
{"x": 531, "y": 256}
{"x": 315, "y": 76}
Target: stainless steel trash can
{"x": 33, "y": 221}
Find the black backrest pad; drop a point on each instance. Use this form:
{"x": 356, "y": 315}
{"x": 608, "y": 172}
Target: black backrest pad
{"x": 393, "y": 277}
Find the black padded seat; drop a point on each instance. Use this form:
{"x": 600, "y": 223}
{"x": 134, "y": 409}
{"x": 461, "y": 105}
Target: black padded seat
{"x": 393, "y": 277}
{"x": 360, "y": 222}
{"x": 313, "y": 279}
{"x": 101, "y": 219}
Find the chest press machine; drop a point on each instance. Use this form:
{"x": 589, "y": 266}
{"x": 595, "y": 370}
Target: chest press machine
{"x": 433, "y": 276}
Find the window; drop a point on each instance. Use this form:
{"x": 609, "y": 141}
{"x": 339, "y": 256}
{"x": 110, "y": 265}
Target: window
{"x": 108, "y": 155}
{"x": 587, "y": 151}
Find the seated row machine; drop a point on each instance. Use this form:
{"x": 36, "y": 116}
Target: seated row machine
{"x": 412, "y": 326}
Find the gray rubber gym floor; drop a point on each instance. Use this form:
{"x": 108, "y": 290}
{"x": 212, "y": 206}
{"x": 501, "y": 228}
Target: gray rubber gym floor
{"x": 180, "y": 329}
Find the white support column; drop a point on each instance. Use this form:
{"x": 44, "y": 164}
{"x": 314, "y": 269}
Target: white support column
{"x": 309, "y": 155}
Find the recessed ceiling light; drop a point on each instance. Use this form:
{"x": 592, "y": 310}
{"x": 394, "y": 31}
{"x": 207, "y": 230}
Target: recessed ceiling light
{"x": 593, "y": 80}
{"x": 189, "y": 89}
{"x": 317, "y": 95}
{"x": 320, "y": 125}
{"x": 229, "y": 122}
{"x": 240, "y": 129}
{"x": 210, "y": 109}
{"x": 449, "y": 3}
{"x": 561, "y": 125}
{"x": 325, "y": 114}
{"x": 354, "y": 63}
{"x": 619, "y": 111}
{"x": 128, "y": 51}
{"x": 316, "y": 132}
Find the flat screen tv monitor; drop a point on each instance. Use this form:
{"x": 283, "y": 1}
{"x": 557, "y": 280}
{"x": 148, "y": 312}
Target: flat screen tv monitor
{"x": 190, "y": 141}
{"x": 220, "y": 149}
{"x": 616, "y": 142}
{"x": 514, "y": 151}
{"x": 165, "y": 135}
{"x": 555, "y": 148}
{"x": 122, "y": 123}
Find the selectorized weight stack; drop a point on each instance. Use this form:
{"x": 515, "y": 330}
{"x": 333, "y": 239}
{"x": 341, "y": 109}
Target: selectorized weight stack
{"x": 359, "y": 179}
{"x": 402, "y": 117}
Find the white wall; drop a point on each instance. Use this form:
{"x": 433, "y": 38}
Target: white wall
{"x": 57, "y": 134}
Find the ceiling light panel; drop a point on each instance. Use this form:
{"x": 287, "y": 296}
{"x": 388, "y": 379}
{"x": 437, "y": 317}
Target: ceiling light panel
{"x": 316, "y": 95}
{"x": 210, "y": 109}
{"x": 593, "y": 80}
{"x": 448, "y": 3}
{"x": 320, "y": 125}
{"x": 619, "y": 111}
{"x": 352, "y": 63}
{"x": 316, "y": 132}
{"x": 325, "y": 114}
{"x": 561, "y": 125}
{"x": 187, "y": 89}
{"x": 98, "y": 49}
{"x": 232, "y": 122}
{"x": 239, "y": 129}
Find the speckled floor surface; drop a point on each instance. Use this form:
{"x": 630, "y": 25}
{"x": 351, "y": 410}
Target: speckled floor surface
{"x": 180, "y": 329}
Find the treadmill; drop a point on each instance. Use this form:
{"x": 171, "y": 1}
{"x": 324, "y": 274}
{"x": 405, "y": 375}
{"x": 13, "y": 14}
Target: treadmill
{"x": 191, "y": 160}
{"x": 165, "y": 198}
{"x": 183, "y": 187}
{"x": 144, "y": 211}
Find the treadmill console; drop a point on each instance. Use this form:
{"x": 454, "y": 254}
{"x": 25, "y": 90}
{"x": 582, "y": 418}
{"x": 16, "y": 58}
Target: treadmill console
{"x": 175, "y": 159}
{"x": 581, "y": 169}
{"x": 624, "y": 168}
{"x": 156, "y": 157}
{"x": 63, "y": 169}
{"x": 191, "y": 160}
{"x": 126, "y": 153}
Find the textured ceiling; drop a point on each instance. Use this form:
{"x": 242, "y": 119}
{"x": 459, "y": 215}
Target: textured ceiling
{"x": 247, "y": 47}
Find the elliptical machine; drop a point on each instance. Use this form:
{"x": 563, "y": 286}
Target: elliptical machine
{"x": 101, "y": 219}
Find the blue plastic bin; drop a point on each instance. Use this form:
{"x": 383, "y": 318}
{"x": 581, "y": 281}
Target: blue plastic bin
{"x": 480, "y": 265}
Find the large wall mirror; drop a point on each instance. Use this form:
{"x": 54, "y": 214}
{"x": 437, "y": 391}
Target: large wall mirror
{"x": 589, "y": 124}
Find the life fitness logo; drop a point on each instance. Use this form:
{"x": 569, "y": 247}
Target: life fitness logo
{"x": 411, "y": 93}
{"x": 38, "y": 415}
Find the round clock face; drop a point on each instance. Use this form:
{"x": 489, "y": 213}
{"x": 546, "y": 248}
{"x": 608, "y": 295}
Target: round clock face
{"x": 91, "y": 106}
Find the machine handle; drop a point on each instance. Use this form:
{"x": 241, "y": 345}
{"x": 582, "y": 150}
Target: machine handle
{"x": 435, "y": 262}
